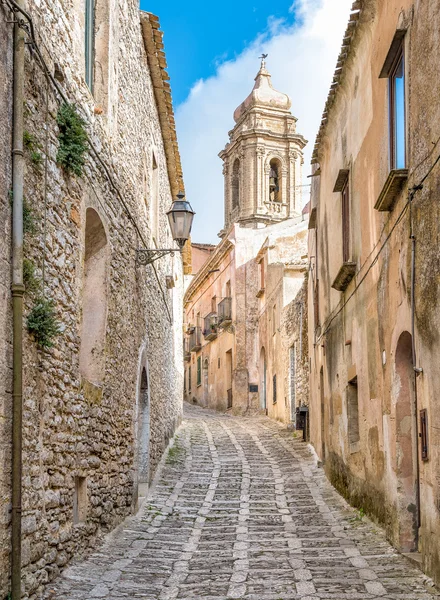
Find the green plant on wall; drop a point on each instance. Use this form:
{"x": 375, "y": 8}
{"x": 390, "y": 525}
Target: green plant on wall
{"x": 30, "y": 281}
{"x": 30, "y": 142}
{"x": 42, "y": 322}
{"x": 72, "y": 138}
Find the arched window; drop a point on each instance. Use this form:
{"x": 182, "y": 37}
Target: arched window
{"x": 94, "y": 307}
{"x": 275, "y": 181}
{"x": 236, "y": 184}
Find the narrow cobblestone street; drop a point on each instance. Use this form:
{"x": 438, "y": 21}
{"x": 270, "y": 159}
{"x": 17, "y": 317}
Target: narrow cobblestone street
{"x": 241, "y": 511}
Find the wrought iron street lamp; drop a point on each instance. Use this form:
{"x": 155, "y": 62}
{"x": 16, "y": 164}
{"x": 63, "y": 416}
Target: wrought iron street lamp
{"x": 180, "y": 217}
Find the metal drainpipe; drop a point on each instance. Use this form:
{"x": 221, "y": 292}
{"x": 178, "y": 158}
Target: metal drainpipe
{"x": 417, "y": 370}
{"x": 17, "y": 289}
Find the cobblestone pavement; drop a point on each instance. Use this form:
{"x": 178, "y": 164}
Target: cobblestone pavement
{"x": 241, "y": 511}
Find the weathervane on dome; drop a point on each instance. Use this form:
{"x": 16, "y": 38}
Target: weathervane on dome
{"x": 263, "y": 60}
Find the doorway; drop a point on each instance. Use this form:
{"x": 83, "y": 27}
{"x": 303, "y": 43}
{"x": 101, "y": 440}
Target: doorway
{"x": 229, "y": 377}
{"x": 263, "y": 379}
{"x": 321, "y": 390}
{"x": 144, "y": 434}
{"x": 406, "y": 445}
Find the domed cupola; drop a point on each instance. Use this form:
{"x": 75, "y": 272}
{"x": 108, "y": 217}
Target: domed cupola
{"x": 263, "y": 95}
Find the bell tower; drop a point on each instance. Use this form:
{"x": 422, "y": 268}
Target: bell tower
{"x": 263, "y": 160}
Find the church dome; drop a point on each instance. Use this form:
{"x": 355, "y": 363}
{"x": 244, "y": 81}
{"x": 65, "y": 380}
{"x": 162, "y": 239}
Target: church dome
{"x": 263, "y": 95}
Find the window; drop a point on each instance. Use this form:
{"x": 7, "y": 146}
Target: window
{"x": 228, "y": 289}
{"x": 235, "y": 184}
{"x": 316, "y": 303}
{"x": 274, "y": 181}
{"x": 89, "y": 41}
{"x": 214, "y": 304}
{"x": 199, "y": 371}
{"x": 274, "y": 319}
{"x": 274, "y": 399}
{"x": 346, "y": 223}
{"x": 353, "y": 411}
{"x": 424, "y": 433}
{"x": 397, "y": 112}
{"x": 218, "y": 363}
{"x": 189, "y": 380}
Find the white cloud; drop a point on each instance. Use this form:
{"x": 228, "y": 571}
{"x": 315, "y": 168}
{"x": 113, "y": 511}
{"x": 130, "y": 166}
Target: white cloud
{"x": 302, "y": 59}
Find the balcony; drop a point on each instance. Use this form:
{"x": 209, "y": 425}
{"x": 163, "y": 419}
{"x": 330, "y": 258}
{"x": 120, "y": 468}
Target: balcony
{"x": 210, "y": 328}
{"x": 195, "y": 339}
{"x": 344, "y": 276}
{"x": 393, "y": 186}
{"x": 224, "y": 318}
{"x": 186, "y": 352}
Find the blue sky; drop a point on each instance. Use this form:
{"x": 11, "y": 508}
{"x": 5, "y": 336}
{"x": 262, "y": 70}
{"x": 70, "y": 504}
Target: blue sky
{"x": 200, "y": 35}
{"x": 212, "y": 52}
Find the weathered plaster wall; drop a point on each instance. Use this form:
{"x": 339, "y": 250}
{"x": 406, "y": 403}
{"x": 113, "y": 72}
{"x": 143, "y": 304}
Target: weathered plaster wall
{"x": 73, "y": 427}
{"x": 378, "y": 472}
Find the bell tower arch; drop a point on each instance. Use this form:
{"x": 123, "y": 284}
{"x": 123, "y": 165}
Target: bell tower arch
{"x": 262, "y": 162}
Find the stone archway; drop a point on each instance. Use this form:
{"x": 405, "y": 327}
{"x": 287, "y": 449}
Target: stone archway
{"x": 406, "y": 445}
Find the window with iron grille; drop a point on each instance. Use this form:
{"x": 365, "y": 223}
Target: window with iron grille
{"x": 274, "y": 389}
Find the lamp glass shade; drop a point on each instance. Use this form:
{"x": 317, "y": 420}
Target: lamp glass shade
{"x": 180, "y": 217}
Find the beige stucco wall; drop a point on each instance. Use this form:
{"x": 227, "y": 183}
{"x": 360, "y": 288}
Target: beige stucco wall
{"x": 74, "y": 427}
{"x": 379, "y": 473}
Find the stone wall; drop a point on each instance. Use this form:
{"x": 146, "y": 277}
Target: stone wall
{"x": 366, "y": 400}
{"x": 81, "y": 434}
{"x": 5, "y": 283}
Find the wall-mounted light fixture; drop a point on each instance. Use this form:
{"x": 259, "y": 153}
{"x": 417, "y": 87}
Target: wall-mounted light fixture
{"x": 180, "y": 218}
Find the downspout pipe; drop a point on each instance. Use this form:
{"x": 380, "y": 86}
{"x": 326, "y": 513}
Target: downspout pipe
{"x": 17, "y": 289}
{"x": 417, "y": 370}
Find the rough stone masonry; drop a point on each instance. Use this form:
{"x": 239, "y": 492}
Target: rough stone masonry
{"x": 82, "y": 424}
{"x": 242, "y": 511}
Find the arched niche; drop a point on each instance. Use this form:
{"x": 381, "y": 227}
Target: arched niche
{"x": 94, "y": 300}
{"x": 406, "y": 444}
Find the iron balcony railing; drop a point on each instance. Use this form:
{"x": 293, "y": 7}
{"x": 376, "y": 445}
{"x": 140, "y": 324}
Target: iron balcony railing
{"x": 210, "y": 326}
{"x": 195, "y": 339}
{"x": 225, "y": 312}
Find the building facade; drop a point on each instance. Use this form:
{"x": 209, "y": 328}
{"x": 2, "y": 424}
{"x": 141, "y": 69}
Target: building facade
{"x": 260, "y": 262}
{"x": 373, "y": 284}
{"x": 103, "y": 389}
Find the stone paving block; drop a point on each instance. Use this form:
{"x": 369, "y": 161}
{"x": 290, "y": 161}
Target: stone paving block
{"x": 245, "y": 514}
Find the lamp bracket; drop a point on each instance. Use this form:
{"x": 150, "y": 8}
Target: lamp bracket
{"x": 146, "y": 256}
